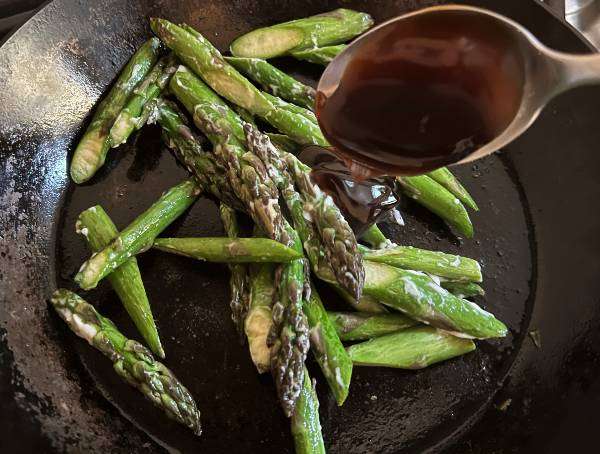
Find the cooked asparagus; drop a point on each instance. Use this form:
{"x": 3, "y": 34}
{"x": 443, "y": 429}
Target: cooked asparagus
{"x": 291, "y": 108}
{"x": 436, "y": 198}
{"x": 131, "y": 360}
{"x": 333, "y": 27}
{"x": 376, "y": 238}
{"x": 306, "y": 427}
{"x": 247, "y": 175}
{"x": 327, "y": 348}
{"x": 210, "y": 174}
{"x": 206, "y": 61}
{"x": 319, "y": 55}
{"x": 99, "y": 230}
{"x": 448, "y": 266}
{"x": 260, "y": 318}
{"x": 444, "y": 177}
{"x": 139, "y": 235}
{"x": 411, "y": 348}
{"x": 354, "y": 326}
{"x": 228, "y": 250}
{"x": 239, "y": 280}
{"x": 137, "y": 110}
{"x": 419, "y": 297}
{"x": 275, "y": 81}
{"x": 288, "y": 339}
{"x": 463, "y": 289}
{"x": 92, "y": 148}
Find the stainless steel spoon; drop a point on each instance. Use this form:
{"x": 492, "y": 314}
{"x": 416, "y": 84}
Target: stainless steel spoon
{"x": 546, "y": 72}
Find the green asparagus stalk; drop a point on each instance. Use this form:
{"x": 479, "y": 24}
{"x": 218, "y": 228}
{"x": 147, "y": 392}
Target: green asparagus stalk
{"x": 239, "y": 281}
{"x": 291, "y": 108}
{"x": 463, "y": 289}
{"x": 419, "y": 297}
{"x": 376, "y": 238}
{"x": 93, "y": 146}
{"x": 139, "y": 235}
{"x": 319, "y": 55}
{"x": 444, "y": 177}
{"x": 447, "y": 266}
{"x": 99, "y": 230}
{"x": 306, "y": 427}
{"x": 131, "y": 360}
{"x": 228, "y": 250}
{"x": 137, "y": 110}
{"x": 338, "y": 240}
{"x": 275, "y": 81}
{"x": 206, "y": 61}
{"x": 289, "y": 338}
{"x": 260, "y": 318}
{"x": 210, "y": 174}
{"x": 436, "y": 198}
{"x": 327, "y": 348}
{"x": 321, "y": 30}
{"x": 246, "y": 173}
{"x": 355, "y": 326}
{"x": 411, "y": 348}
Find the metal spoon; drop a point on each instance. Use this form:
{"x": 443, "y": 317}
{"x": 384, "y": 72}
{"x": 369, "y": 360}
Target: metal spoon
{"x": 546, "y": 72}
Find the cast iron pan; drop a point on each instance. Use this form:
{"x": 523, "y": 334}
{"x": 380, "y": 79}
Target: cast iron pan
{"x": 536, "y": 236}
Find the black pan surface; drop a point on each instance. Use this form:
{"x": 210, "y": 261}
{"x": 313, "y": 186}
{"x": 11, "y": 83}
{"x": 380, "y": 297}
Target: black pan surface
{"x": 535, "y": 234}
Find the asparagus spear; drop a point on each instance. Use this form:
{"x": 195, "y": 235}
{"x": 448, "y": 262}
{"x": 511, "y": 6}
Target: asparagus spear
{"x": 137, "y": 110}
{"x": 411, "y": 348}
{"x": 246, "y": 173}
{"x": 291, "y": 108}
{"x": 444, "y": 177}
{"x": 327, "y": 348}
{"x": 228, "y": 250}
{"x": 376, "y": 238}
{"x": 131, "y": 360}
{"x": 354, "y": 326}
{"x": 440, "y": 264}
{"x": 139, "y": 235}
{"x": 463, "y": 289}
{"x": 275, "y": 81}
{"x": 239, "y": 283}
{"x": 206, "y": 61}
{"x": 306, "y": 427}
{"x": 99, "y": 230}
{"x": 433, "y": 196}
{"x": 288, "y": 339}
{"x": 210, "y": 174}
{"x": 339, "y": 242}
{"x": 260, "y": 318}
{"x": 418, "y": 296}
{"x": 333, "y": 27}
{"x": 93, "y": 146}
{"x": 319, "y": 55}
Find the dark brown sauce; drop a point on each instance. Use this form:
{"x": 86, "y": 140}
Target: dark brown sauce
{"x": 362, "y": 202}
{"x": 421, "y": 93}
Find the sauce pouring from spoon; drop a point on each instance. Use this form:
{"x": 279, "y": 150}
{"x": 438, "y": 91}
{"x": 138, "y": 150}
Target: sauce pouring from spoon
{"x": 439, "y": 86}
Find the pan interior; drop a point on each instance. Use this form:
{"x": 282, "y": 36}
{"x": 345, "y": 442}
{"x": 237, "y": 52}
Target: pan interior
{"x": 387, "y": 409}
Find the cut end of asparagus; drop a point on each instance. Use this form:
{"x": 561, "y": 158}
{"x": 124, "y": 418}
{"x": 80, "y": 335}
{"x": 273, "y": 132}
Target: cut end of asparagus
{"x": 266, "y": 43}
{"x": 89, "y": 156}
{"x": 412, "y": 348}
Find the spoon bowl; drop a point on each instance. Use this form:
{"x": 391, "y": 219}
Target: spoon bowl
{"x": 464, "y": 82}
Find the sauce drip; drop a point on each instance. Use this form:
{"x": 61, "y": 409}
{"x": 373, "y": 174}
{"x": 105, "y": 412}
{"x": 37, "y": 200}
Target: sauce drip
{"x": 420, "y": 93}
{"x": 362, "y": 203}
